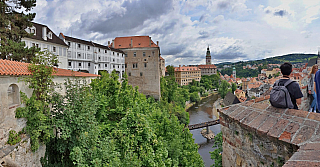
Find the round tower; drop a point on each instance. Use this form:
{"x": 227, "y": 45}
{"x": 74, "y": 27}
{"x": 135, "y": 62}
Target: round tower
{"x": 234, "y": 72}
{"x": 208, "y": 57}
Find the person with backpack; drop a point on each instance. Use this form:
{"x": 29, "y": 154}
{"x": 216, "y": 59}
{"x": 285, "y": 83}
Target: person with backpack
{"x": 285, "y": 92}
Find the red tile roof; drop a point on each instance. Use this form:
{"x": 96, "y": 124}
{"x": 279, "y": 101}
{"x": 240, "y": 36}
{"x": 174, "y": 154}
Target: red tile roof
{"x": 207, "y": 66}
{"x": 8, "y": 67}
{"x": 161, "y": 58}
{"x": 137, "y": 42}
{"x": 186, "y": 68}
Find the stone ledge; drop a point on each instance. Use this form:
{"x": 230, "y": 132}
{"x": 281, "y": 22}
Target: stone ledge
{"x": 7, "y": 149}
{"x": 296, "y": 127}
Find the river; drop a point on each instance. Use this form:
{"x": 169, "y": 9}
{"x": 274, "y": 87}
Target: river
{"x": 203, "y": 112}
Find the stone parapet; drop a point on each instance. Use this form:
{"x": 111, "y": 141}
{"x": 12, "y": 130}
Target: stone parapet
{"x": 258, "y": 134}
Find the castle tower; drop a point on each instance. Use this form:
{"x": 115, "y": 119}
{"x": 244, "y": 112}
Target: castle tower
{"x": 208, "y": 57}
{"x": 234, "y": 72}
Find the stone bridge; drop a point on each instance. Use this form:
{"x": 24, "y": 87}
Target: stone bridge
{"x": 257, "y": 134}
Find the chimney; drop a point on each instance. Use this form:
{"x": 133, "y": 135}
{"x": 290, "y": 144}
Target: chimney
{"x": 113, "y": 43}
{"x": 150, "y": 41}
{"x": 157, "y": 43}
{"x": 108, "y": 43}
{"x": 44, "y": 33}
{"x": 131, "y": 42}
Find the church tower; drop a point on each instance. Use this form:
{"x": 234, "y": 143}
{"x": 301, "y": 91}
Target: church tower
{"x": 208, "y": 57}
{"x": 234, "y": 72}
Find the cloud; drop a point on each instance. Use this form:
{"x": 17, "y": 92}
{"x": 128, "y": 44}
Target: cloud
{"x": 231, "y": 52}
{"x": 203, "y": 17}
{"x": 280, "y": 13}
{"x": 204, "y": 34}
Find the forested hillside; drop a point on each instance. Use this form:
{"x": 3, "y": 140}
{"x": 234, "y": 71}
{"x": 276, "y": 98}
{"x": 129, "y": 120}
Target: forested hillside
{"x": 292, "y": 58}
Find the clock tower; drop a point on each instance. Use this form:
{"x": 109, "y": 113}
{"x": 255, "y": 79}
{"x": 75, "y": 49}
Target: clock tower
{"x": 208, "y": 57}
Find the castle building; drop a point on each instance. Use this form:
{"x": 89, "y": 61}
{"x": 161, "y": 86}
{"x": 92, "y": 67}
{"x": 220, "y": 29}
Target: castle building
{"x": 185, "y": 74}
{"x": 142, "y": 63}
{"x": 91, "y": 57}
{"x": 44, "y": 38}
{"x": 208, "y": 69}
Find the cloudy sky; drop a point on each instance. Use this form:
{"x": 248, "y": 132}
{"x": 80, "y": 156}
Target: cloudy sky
{"x": 234, "y": 29}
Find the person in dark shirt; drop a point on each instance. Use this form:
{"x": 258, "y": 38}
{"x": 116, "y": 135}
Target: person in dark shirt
{"x": 293, "y": 87}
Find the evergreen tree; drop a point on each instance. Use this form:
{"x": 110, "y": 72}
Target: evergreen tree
{"x": 12, "y": 28}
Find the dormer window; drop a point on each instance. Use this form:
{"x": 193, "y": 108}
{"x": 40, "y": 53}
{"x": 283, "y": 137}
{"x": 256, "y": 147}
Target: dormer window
{"x": 50, "y": 35}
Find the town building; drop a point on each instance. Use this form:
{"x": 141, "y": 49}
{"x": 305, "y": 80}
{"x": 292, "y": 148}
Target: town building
{"x": 185, "y": 74}
{"x": 44, "y": 38}
{"x": 11, "y": 84}
{"x": 142, "y": 63}
{"x": 91, "y": 57}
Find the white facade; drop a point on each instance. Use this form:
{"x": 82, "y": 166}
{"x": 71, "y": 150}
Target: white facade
{"x": 44, "y": 39}
{"x": 87, "y": 56}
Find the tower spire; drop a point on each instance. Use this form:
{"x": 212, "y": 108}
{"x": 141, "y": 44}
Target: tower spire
{"x": 208, "y": 56}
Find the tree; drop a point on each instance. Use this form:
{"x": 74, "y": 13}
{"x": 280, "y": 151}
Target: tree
{"x": 12, "y": 29}
{"x": 194, "y": 97}
{"x": 170, "y": 70}
{"x": 216, "y": 154}
{"x": 223, "y": 88}
{"x": 234, "y": 87}
{"x": 37, "y": 109}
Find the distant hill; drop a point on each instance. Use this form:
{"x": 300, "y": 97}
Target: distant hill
{"x": 292, "y": 58}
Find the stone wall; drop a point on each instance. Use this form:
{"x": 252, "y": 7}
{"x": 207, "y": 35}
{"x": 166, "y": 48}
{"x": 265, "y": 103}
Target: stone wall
{"x": 257, "y": 134}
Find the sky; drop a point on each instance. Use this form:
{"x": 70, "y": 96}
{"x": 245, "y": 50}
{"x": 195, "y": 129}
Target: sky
{"x": 235, "y": 30}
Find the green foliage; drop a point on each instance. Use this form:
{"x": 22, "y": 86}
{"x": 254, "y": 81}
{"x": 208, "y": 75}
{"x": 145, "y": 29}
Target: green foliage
{"x": 111, "y": 124}
{"x": 12, "y": 29}
{"x": 233, "y": 87}
{"x": 194, "y": 97}
{"x": 210, "y": 82}
{"x": 204, "y": 94}
{"x": 170, "y": 70}
{"x": 37, "y": 108}
{"x": 14, "y": 137}
{"x": 223, "y": 88}
{"x": 216, "y": 154}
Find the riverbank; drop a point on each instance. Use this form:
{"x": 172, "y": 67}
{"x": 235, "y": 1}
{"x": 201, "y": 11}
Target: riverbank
{"x": 201, "y": 98}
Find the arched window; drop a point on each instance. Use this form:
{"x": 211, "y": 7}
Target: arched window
{"x": 13, "y": 95}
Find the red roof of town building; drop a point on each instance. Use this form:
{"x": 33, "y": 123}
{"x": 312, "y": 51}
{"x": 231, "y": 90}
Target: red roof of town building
{"x": 137, "y": 42}
{"x": 161, "y": 58}
{"x": 207, "y": 66}
{"x": 186, "y": 68}
{"x": 8, "y": 67}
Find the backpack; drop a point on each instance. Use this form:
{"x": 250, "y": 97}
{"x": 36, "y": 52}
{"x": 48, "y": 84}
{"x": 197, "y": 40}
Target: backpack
{"x": 280, "y": 96}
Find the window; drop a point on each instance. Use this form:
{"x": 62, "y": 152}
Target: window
{"x": 88, "y": 47}
{"x": 122, "y": 55}
{"x": 134, "y": 54}
{"x": 33, "y": 31}
{"x": 54, "y": 49}
{"x": 33, "y": 44}
{"x": 105, "y": 51}
{"x": 117, "y": 54}
{"x": 50, "y": 35}
{"x": 145, "y": 64}
{"x": 99, "y": 49}
{"x": 144, "y": 54}
{"x": 79, "y": 54}
{"x": 69, "y": 63}
{"x": 129, "y": 74}
{"x": 99, "y": 58}
{"x": 113, "y": 60}
{"x": 13, "y": 94}
{"x": 141, "y": 74}
{"x": 135, "y": 65}
{"x": 125, "y": 65}
{"x": 126, "y": 55}
{"x": 89, "y": 64}
{"x": 69, "y": 43}
{"x": 152, "y": 53}
{"x": 99, "y": 65}
{"x": 79, "y": 64}
{"x": 105, "y": 65}
{"x": 37, "y": 45}
{"x": 79, "y": 46}
{"x": 118, "y": 66}
{"x": 112, "y": 53}
{"x": 145, "y": 59}
{"x": 114, "y": 66}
